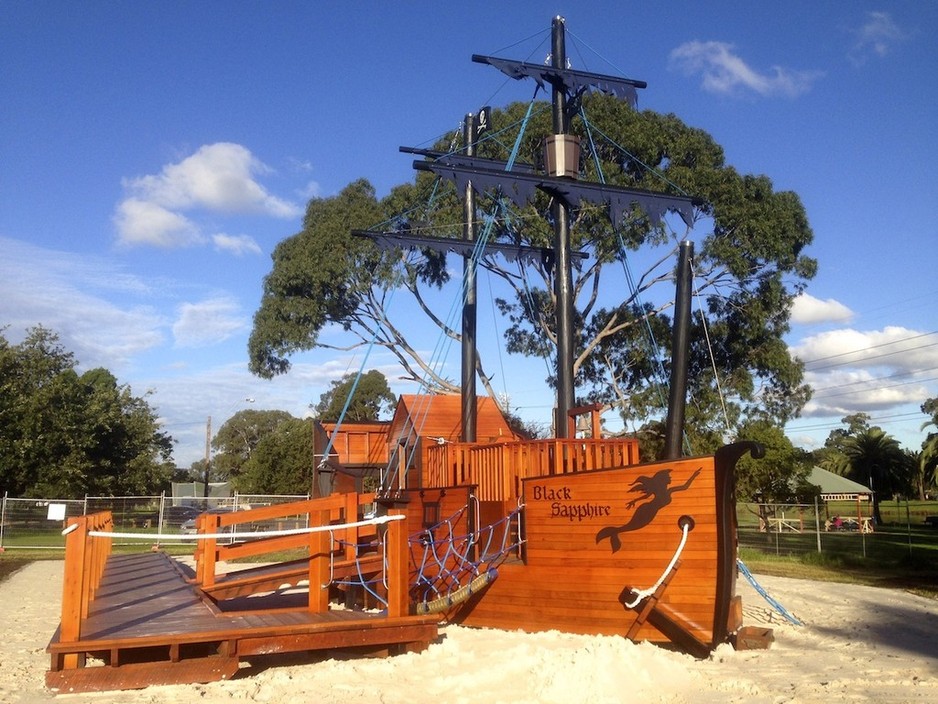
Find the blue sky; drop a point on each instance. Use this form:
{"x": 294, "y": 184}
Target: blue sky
{"x": 153, "y": 154}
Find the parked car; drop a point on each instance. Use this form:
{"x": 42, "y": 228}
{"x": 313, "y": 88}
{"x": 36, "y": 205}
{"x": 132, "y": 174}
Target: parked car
{"x": 174, "y": 516}
{"x": 189, "y": 526}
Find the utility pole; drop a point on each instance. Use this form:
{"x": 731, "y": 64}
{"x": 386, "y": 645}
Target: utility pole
{"x": 208, "y": 454}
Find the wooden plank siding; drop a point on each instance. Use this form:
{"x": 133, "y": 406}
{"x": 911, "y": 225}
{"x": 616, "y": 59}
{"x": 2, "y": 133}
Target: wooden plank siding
{"x": 359, "y": 442}
{"x": 572, "y": 578}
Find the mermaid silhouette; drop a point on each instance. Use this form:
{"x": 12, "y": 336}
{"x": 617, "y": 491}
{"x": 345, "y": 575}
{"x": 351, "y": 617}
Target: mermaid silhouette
{"x": 655, "y": 488}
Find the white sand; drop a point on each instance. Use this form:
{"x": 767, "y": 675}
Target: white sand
{"x": 859, "y": 644}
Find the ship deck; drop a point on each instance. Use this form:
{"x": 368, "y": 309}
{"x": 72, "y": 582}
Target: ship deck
{"x": 149, "y": 623}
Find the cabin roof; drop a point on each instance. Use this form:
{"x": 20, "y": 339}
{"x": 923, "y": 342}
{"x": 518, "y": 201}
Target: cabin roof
{"x": 440, "y": 416}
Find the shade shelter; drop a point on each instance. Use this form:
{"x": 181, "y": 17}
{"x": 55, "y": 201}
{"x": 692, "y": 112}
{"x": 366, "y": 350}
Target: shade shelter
{"x": 837, "y": 488}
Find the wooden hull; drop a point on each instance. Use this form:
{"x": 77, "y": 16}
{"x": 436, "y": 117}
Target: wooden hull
{"x": 591, "y": 538}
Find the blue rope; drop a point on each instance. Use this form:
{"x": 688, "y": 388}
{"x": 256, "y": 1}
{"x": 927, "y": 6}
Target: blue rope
{"x": 758, "y": 587}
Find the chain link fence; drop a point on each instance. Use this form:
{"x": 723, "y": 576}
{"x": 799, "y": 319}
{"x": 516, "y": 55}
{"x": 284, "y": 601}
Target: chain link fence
{"x": 37, "y": 524}
{"x": 842, "y": 527}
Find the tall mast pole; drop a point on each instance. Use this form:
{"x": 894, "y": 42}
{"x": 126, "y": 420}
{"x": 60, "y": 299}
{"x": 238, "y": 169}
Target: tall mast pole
{"x": 469, "y": 354}
{"x": 680, "y": 338}
{"x": 563, "y": 276}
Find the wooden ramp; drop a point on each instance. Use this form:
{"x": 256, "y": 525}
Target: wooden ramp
{"x": 134, "y": 620}
{"x": 148, "y": 624}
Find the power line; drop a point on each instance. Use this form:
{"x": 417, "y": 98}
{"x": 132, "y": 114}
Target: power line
{"x": 869, "y": 390}
{"x": 875, "y": 356}
{"x": 885, "y": 420}
{"x": 873, "y": 347}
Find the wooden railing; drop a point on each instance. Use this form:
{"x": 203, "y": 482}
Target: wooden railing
{"x": 85, "y": 558}
{"x": 320, "y": 546}
{"x": 497, "y": 469}
{"x": 336, "y": 509}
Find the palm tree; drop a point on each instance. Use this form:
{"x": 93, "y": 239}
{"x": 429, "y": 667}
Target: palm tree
{"x": 929, "y": 458}
{"x": 877, "y": 461}
{"x": 929, "y": 463}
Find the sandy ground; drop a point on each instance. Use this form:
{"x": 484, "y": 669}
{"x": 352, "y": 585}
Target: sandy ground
{"x": 858, "y": 644}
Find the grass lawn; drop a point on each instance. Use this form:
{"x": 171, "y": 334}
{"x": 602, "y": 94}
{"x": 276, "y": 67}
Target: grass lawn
{"x": 896, "y": 557}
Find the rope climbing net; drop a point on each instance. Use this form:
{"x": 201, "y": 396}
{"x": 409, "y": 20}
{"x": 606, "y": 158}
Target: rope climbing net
{"x": 452, "y": 562}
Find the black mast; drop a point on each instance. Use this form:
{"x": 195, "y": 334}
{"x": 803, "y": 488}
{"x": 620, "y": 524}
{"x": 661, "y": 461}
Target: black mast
{"x": 563, "y": 281}
{"x": 469, "y": 354}
{"x": 520, "y": 183}
{"x": 680, "y": 336}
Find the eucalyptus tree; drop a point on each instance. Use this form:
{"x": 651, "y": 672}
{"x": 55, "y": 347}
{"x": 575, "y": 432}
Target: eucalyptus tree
{"x": 66, "y": 434}
{"x": 238, "y": 437}
{"x": 282, "y": 462}
{"x": 362, "y": 398}
{"x": 750, "y": 264}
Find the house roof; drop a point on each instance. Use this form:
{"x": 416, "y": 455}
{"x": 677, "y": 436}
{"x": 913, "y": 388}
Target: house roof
{"x": 440, "y": 416}
{"x": 831, "y": 483}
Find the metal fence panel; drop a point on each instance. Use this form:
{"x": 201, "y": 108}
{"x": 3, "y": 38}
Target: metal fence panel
{"x": 37, "y": 524}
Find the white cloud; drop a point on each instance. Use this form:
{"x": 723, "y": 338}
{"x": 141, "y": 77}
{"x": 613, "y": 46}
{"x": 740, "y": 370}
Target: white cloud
{"x": 725, "y": 72}
{"x": 144, "y": 222}
{"x": 219, "y": 178}
{"x": 808, "y": 310}
{"x": 869, "y": 371}
{"x": 208, "y": 322}
{"x": 101, "y": 313}
{"x": 877, "y": 36}
{"x": 311, "y": 190}
{"x": 894, "y": 348}
{"x": 236, "y": 244}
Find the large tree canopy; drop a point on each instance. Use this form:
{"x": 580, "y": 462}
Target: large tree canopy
{"x": 238, "y": 437}
{"x": 363, "y": 398}
{"x": 67, "y": 435}
{"x": 749, "y": 265}
{"x": 282, "y": 461}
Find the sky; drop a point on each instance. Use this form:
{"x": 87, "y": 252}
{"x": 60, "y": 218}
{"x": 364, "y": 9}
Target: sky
{"x": 152, "y": 155}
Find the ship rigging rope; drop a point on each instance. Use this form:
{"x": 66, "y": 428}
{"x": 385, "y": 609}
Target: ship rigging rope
{"x": 641, "y": 594}
{"x": 444, "y": 340}
{"x": 378, "y": 520}
{"x": 765, "y": 595}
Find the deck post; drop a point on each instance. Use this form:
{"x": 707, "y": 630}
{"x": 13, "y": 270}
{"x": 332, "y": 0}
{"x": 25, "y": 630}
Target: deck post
{"x": 208, "y": 524}
{"x": 320, "y": 548}
{"x": 76, "y": 544}
{"x": 351, "y": 534}
{"x": 396, "y": 567}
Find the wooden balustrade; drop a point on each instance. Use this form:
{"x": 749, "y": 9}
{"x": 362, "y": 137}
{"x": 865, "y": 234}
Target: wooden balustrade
{"x": 498, "y": 469}
{"x": 85, "y": 558}
{"x": 335, "y": 509}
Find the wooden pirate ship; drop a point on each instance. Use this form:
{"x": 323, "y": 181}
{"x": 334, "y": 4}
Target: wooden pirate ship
{"x": 588, "y": 539}
{"x": 470, "y": 524}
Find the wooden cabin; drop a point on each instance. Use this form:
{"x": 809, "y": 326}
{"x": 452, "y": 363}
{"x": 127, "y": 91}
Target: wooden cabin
{"x": 358, "y": 450}
{"x": 422, "y": 422}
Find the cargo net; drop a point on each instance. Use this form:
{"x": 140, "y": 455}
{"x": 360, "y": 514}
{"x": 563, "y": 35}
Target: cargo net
{"x": 452, "y": 563}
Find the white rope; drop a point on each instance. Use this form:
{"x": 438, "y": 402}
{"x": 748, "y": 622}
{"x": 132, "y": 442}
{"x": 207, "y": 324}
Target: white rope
{"x": 379, "y": 520}
{"x": 644, "y": 593}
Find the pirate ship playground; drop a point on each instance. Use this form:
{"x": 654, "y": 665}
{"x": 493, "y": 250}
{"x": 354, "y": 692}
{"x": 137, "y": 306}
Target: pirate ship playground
{"x": 470, "y": 523}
